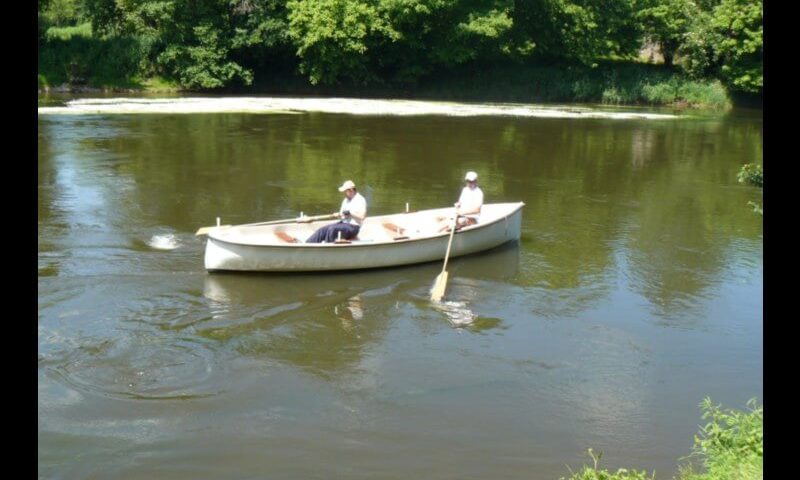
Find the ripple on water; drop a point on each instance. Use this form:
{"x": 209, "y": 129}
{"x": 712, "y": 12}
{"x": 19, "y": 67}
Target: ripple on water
{"x": 141, "y": 367}
{"x": 176, "y": 311}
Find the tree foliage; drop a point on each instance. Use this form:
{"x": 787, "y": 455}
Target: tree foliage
{"x": 666, "y": 22}
{"x": 334, "y": 38}
{"x": 739, "y": 29}
{"x": 219, "y": 43}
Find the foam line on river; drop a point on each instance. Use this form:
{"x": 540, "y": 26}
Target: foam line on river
{"x": 333, "y": 105}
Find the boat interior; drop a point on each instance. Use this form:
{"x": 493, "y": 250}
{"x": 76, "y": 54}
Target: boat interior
{"x": 378, "y": 229}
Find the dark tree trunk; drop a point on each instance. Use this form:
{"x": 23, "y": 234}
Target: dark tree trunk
{"x": 668, "y": 57}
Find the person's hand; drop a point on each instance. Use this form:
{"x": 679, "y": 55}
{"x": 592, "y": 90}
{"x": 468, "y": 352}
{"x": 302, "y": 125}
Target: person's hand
{"x": 457, "y": 204}
{"x": 346, "y": 213}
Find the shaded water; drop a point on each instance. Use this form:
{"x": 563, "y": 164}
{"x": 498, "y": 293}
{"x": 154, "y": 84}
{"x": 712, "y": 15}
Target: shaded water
{"x": 635, "y": 291}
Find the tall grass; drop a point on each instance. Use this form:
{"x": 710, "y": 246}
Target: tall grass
{"x": 595, "y": 473}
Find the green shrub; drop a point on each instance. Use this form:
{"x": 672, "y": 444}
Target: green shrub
{"x": 98, "y": 62}
{"x": 730, "y": 445}
{"x": 752, "y": 174}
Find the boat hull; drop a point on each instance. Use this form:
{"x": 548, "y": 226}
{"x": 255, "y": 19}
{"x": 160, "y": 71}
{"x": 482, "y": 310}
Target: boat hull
{"x": 225, "y": 255}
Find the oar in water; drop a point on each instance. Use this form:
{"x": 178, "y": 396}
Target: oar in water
{"x": 437, "y": 292}
{"x": 206, "y": 230}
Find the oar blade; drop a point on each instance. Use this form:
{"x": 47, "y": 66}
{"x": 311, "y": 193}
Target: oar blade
{"x": 437, "y": 292}
{"x": 207, "y": 230}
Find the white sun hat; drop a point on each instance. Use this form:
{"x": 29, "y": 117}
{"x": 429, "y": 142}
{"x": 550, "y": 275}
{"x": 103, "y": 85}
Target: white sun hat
{"x": 471, "y": 176}
{"x": 347, "y": 185}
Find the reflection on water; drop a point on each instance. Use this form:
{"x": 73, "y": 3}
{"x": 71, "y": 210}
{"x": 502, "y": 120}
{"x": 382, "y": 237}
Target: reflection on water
{"x": 327, "y": 323}
{"x": 351, "y": 311}
{"x": 635, "y": 291}
{"x": 470, "y": 278}
{"x": 496, "y": 265}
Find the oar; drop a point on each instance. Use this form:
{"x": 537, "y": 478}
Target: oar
{"x": 437, "y": 292}
{"x": 206, "y": 230}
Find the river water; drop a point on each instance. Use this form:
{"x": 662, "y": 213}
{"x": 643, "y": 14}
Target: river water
{"x": 635, "y": 291}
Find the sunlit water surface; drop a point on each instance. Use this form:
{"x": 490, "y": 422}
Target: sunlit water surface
{"x": 634, "y": 292}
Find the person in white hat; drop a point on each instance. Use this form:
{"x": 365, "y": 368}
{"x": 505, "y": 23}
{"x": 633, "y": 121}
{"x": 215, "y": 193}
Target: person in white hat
{"x": 468, "y": 207}
{"x": 352, "y": 213}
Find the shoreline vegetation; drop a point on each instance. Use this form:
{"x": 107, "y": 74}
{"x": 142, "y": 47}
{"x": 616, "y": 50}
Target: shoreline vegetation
{"x": 678, "y": 53}
{"x": 729, "y": 446}
{"x": 608, "y": 83}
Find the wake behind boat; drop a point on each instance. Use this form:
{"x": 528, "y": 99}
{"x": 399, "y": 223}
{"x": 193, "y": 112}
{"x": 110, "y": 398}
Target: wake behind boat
{"x": 383, "y": 241}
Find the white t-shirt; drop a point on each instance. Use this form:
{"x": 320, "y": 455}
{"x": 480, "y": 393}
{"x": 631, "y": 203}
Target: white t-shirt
{"x": 471, "y": 199}
{"x": 357, "y": 206}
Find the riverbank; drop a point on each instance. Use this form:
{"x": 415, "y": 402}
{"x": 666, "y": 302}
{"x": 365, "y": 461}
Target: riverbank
{"x": 87, "y": 65}
{"x": 609, "y": 84}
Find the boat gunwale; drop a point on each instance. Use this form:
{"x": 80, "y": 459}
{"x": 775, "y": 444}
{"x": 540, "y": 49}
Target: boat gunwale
{"x": 466, "y": 229}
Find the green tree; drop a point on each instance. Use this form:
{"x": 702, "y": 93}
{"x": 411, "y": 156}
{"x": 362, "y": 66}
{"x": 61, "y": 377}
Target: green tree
{"x": 739, "y": 27}
{"x": 431, "y": 35}
{"x": 106, "y": 16}
{"x": 203, "y": 63}
{"x": 334, "y": 37}
{"x": 62, "y": 13}
{"x": 666, "y": 22}
{"x": 208, "y": 44}
{"x": 579, "y": 30}
{"x": 725, "y": 40}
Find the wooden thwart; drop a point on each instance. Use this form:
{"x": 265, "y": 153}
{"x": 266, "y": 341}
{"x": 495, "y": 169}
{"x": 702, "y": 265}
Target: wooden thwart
{"x": 207, "y": 230}
{"x": 398, "y": 231}
{"x": 286, "y": 237}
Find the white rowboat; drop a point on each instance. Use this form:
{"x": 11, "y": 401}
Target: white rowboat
{"x": 383, "y": 241}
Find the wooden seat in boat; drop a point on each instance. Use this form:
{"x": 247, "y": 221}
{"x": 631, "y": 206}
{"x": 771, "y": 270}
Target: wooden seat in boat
{"x": 398, "y": 231}
{"x": 286, "y": 237}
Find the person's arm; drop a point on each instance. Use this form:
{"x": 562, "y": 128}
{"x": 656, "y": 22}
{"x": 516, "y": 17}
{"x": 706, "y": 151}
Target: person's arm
{"x": 459, "y": 202}
{"x": 340, "y": 213}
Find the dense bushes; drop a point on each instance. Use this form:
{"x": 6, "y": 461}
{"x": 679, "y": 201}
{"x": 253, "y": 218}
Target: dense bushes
{"x": 82, "y": 60}
{"x": 609, "y": 83}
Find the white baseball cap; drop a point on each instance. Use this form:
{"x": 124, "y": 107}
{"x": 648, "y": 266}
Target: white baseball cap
{"x": 347, "y": 185}
{"x": 471, "y": 176}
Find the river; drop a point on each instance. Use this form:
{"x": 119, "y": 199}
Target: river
{"x": 635, "y": 291}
